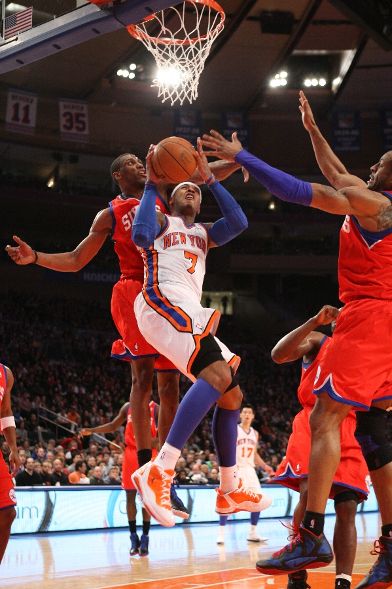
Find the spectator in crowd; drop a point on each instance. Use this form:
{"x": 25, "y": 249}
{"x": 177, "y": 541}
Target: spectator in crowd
{"x": 78, "y": 476}
{"x": 28, "y": 477}
{"x": 47, "y": 470}
{"x": 96, "y": 477}
{"x": 114, "y": 476}
{"x": 213, "y": 478}
{"x": 58, "y": 476}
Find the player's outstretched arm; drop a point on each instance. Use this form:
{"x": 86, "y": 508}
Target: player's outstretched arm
{"x": 362, "y": 202}
{"x": 111, "y": 426}
{"x": 234, "y": 220}
{"x": 330, "y": 165}
{"x": 8, "y": 425}
{"x": 304, "y": 341}
{"x": 148, "y": 222}
{"x": 23, "y": 254}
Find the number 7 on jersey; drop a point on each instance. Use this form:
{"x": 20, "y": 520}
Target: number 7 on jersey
{"x": 193, "y": 258}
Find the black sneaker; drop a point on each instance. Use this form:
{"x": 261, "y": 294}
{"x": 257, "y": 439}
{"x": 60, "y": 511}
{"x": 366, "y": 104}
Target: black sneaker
{"x": 135, "y": 544}
{"x": 298, "y": 580}
{"x": 178, "y": 507}
{"x": 342, "y": 584}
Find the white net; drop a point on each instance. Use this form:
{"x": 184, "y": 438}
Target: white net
{"x": 180, "y": 40}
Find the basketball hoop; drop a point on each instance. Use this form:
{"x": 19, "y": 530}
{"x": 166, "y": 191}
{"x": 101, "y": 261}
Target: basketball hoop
{"x": 180, "y": 40}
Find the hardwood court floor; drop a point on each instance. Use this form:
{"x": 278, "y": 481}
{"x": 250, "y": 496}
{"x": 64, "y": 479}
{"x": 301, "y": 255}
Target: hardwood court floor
{"x": 184, "y": 557}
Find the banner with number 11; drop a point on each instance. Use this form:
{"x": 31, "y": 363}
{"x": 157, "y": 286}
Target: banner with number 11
{"x": 21, "y": 112}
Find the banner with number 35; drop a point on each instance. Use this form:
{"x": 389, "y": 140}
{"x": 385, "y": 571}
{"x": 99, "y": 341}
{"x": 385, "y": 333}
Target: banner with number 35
{"x": 74, "y": 120}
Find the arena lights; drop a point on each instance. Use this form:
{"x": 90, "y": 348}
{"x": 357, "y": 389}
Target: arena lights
{"x": 128, "y": 73}
{"x": 279, "y": 80}
{"x": 308, "y": 82}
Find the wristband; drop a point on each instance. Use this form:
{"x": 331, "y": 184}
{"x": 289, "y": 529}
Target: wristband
{"x": 7, "y": 422}
{"x": 210, "y": 180}
{"x": 35, "y": 257}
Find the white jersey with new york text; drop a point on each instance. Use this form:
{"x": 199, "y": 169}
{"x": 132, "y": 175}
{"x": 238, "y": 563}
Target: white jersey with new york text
{"x": 177, "y": 260}
{"x": 246, "y": 446}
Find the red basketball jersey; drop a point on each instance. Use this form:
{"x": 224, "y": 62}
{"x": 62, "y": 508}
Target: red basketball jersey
{"x": 308, "y": 375}
{"x": 3, "y": 382}
{"x": 129, "y": 436}
{"x": 365, "y": 262}
{"x": 123, "y": 212}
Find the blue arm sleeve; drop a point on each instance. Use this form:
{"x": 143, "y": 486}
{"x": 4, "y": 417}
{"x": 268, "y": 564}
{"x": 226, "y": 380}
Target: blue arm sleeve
{"x": 233, "y": 221}
{"x": 279, "y": 183}
{"x": 145, "y": 226}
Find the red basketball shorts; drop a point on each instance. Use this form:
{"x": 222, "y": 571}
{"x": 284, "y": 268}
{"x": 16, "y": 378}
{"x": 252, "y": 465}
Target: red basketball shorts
{"x": 7, "y": 491}
{"x": 352, "y": 472}
{"x": 130, "y": 464}
{"x": 357, "y": 368}
{"x": 132, "y": 346}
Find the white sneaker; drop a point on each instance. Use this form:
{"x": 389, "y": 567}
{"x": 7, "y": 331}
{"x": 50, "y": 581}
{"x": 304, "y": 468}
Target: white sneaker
{"x": 153, "y": 484}
{"x": 221, "y": 535}
{"x": 254, "y": 537}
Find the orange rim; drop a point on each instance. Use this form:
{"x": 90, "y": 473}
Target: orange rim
{"x": 141, "y": 35}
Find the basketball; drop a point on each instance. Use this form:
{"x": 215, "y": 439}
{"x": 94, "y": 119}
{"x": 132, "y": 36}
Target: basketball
{"x": 174, "y": 159}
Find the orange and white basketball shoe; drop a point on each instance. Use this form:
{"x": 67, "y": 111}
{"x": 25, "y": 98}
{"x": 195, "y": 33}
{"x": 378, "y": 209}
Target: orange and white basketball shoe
{"x": 241, "y": 499}
{"x": 153, "y": 484}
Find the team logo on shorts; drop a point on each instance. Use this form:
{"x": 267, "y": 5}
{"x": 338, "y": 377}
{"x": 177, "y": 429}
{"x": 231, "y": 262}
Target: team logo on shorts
{"x": 12, "y": 495}
{"x": 317, "y": 375}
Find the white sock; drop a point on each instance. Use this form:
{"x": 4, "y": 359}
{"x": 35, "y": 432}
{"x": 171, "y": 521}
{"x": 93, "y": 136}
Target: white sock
{"x": 167, "y": 457}
{"x": 222, "y": 530}
{"x": 253, "y": 529}
{"x": 344, "y": 576}
{"x": 228, "y": 478}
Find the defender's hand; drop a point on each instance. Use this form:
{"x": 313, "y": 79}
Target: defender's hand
{"x": 15, "y": 461}
{"x": 326, "y": 315}
{"x": 221, "y": 147}
{"x": 307, "y": 115}
{"x": 202, "y": 163}
{"x": 22, "y": 254}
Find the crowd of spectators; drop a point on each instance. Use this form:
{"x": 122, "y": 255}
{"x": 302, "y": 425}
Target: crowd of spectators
{"x": 58, "y": 350}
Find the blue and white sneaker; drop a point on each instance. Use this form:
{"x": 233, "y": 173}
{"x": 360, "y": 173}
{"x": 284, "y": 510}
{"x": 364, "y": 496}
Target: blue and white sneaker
{"x": 305, "y": 551}
{"x": 144, "y": 540}
{"x": 380, "y": 575}
{"x": 178, "y": 507}
{"x": 135, "y": 544}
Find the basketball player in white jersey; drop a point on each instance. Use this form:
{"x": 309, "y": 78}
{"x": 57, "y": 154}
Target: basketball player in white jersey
{"x": 248, "y": 459}
{"x": 170, "y": 317}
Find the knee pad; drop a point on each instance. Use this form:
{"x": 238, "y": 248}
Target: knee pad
{"x": 347, "y": 495}
{"x": 208, "y": 353}
{"x": 373, "y": 435}
{"x": 235, "y": 381}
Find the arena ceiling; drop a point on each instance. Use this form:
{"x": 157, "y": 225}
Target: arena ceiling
{"x": 239, "y": 69}
{"x": 324, "y": 39}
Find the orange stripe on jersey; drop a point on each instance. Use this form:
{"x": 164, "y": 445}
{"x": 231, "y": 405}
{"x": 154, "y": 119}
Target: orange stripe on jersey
{"x": 156, "y": 300}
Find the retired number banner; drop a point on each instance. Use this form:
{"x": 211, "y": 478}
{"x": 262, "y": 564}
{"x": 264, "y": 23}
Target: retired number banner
{"x": 21, "y": 112}
{"x": 74, "y": 120}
